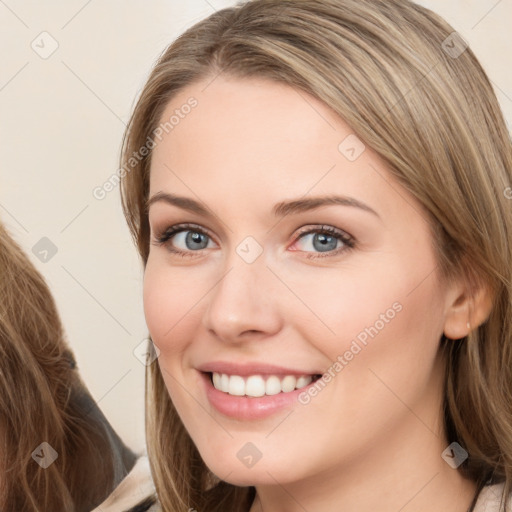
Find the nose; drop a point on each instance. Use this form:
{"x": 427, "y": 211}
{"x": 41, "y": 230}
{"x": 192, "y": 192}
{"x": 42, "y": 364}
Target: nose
{"x": 244, "y": 304}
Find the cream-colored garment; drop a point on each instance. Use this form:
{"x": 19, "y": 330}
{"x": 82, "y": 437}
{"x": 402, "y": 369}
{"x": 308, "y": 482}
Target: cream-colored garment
{"x": 135, "y": 487}
{"x": 489, "y": 499}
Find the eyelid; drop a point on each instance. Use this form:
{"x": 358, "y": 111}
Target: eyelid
{"x": 311, "y": 228}
{"x": 162, "y": 236}
{"x": 349, "y": 242}
{"x": 183, "y": 226}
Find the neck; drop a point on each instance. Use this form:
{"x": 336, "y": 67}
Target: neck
{"x": 402, "y": 477}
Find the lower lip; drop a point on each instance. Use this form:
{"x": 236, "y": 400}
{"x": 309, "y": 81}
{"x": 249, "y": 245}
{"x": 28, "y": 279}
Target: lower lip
{"x": 249, "y": 408}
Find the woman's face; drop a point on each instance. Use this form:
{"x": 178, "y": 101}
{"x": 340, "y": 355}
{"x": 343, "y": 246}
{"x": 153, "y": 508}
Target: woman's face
{"x": 295, "y": 254}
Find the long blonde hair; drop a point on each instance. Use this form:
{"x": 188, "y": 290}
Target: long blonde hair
{"x": 408, "y": 87}
{"x": 42, "y": 399}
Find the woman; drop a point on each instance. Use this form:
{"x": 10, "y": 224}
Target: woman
{"x": 318, "y": 192}
{"x": 59, "y": 453}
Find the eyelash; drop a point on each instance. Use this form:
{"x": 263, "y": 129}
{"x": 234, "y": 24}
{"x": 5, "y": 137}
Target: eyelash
{"x": 349, "y": 242}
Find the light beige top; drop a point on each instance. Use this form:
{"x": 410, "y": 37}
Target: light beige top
{"x": 139, "y": 485}
{"x": 136, "y": 486}
{"x": 489, "y": 499}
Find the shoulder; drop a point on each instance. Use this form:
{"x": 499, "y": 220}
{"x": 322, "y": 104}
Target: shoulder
{"x": 490, "y": 497}
{"x": 136, "y": 488}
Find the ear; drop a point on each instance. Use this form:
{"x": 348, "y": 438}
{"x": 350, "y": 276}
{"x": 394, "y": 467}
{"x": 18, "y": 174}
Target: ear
{"x": 468, "y": 305}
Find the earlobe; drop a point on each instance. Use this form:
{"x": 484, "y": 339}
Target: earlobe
{"x": 470, "y": 308}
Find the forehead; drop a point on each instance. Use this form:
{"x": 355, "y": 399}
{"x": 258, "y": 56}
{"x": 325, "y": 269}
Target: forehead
{"x": 250, "y": 119}
{"x": 261, "y": 140}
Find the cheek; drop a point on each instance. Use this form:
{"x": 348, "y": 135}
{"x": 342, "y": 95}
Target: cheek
{"x": 337, "y": 305}
{"x": 382, "y": 313}
{"x": 169, "y": 299}
{"x": 391, "y": 343}
{"x": 156, "y": 303}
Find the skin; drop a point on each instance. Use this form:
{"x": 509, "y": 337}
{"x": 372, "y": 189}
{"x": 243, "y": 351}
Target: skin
{"x": 372, "y": 438}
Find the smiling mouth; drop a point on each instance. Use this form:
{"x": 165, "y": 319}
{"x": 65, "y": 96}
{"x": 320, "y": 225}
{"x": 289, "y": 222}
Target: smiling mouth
{"x": 257, "y": 385}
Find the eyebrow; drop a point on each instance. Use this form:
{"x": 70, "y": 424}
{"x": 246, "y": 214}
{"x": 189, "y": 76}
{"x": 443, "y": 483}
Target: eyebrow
{"x": 279, "y": 210}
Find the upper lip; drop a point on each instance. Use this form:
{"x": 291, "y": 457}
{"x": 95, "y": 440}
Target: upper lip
{"x": 254, "y": 368}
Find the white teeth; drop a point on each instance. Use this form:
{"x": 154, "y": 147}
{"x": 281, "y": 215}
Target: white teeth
{"x": 303, "y": 381}
{"x": 273, "y": 386}
{"x": 256, "y": 385}
{"x": 288, "y": 383}
{"x": 236, "y": 386}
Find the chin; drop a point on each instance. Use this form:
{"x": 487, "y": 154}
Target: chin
{"x": 238, "y": 469}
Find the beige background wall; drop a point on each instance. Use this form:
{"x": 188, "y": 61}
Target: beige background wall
{"x": 62, "y": 115}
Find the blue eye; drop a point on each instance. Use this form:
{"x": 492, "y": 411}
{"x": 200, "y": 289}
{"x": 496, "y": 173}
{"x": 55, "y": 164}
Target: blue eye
{"x": 321, "y": 242}
{"x": 187, "y": 238}
{"x": 327, "y": 240}
{"x": 191, "y": 239}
